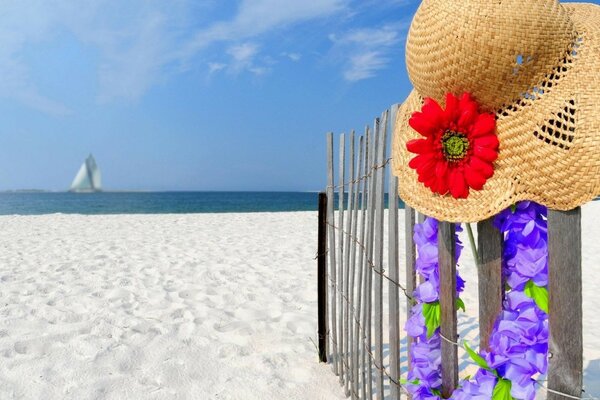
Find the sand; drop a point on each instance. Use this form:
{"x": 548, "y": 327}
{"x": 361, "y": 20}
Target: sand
{"x": 204, "y": 306}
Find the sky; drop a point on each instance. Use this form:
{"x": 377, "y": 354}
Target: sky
{"x": 192, "y": 95}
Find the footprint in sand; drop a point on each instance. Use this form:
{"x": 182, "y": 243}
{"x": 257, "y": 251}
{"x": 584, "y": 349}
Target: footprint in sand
{"x": 240, "y": 327}
{"x": 21, "y": 347}
{"x": 71, "y": 318}
{"x": 190, "y": 294}
{"x": 292, "y": 327}
{"x": 228, "y": 350}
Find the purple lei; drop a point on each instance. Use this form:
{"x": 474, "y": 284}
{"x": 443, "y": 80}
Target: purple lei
{"x": 518, "y": 348}
{"x": 519, "y": 340}
{"x": 426, "y": 357}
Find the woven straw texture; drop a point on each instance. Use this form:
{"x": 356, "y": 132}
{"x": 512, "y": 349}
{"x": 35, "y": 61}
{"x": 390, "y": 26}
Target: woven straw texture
{"x": 536, "y": 65}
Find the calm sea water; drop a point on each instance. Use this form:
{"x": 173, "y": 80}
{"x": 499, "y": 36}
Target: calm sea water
{"x": 155, "y": 202}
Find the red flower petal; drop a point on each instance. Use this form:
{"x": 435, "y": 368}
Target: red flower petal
{"x": 489, "y": 141}
{"x": 485, "y": 168}
{"x": 433, "y": 111}
{"x": 422, "y": 124}
{"x": 458, "y": 185}
{"x": 468, "y": 112}
{"x": 442, "y": 185}
{"x": 427, "y": 178}
{"x": 452, "y": 108}
{"x": 441, "y": 169}
{"x": 485, "y": 125}
{"x": 418, "y": 161}
{"x": 485, "y": 153}
{"x": 419, "y": 146}
{"x": 474, "y": 178}
{"x": 427, "y": 167}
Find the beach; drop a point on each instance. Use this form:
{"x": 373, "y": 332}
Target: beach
{"x": 187, "y": 306}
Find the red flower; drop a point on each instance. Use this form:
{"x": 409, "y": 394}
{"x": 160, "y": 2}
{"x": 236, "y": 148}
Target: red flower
{"x": 458, "y": 148}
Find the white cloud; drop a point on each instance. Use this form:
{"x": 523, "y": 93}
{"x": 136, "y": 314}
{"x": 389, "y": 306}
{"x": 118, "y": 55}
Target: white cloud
{"x": 242, "y": 56}
{"x": 140, "y": 43}
{"x": 243, "y": 59}
{"x": 216, "y": 67}
{"x": 133, "y": 43}
{"x": 365, "y": 65}
{"x": 255, "y": 17}
{"x": 292, "y": 56}
{"x": 259, "y": 71}
{"x": 365, "y": 52}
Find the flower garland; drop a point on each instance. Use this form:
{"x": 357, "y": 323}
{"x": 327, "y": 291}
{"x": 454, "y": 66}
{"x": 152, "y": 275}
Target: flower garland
{"x": 518, "y": 348}
{"x": 424, "y": 377}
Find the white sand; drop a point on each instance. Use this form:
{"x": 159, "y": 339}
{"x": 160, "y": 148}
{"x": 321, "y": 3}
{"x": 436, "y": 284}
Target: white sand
{"x": 209, "y": 306}
{"x": 160, "y": 307}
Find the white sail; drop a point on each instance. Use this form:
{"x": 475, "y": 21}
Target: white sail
{"x": 94, "y": 173}
{"x": 88, "y": 178}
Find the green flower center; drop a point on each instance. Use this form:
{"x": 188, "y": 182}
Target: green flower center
{"x": 455, "y": 146}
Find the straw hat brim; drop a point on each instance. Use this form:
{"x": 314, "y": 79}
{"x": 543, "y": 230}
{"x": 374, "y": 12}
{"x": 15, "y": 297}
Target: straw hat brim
{"x": 549, "y": 139}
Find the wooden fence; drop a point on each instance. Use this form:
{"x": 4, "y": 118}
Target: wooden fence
{"x": 358, "y": 263}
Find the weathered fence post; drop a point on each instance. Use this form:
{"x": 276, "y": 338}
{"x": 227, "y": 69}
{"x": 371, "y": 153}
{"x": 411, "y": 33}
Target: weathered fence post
{"x": 378, "y": 248}
{"x": 340, "y": 249}
{"x": 331, "y": 251}
{"x": 489, "y": 270}
{"x": 447, "y": 266}
{"x": 322, "y": 277}
{"x": 411, "y": 274}
{"x": 393, "y": 292}
{"x": 353, "y": 271}
{"x": 347, "y": 251}
{"x": 369, "y": 269}
{"x": 363, "y": 267}
{"x": 565, "y": 370}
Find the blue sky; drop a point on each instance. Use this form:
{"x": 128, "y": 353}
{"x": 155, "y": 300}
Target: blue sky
{"x": 192, "y": 95}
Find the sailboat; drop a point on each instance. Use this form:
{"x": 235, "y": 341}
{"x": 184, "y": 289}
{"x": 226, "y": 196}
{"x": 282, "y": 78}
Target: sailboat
{"x": 88, "y": 179}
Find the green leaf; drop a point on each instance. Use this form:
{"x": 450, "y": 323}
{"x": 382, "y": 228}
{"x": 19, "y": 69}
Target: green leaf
{"x": 404, "y": 381}
{"x": 460, "y": 305}
{"x": 477, "y": 358}
{"x": 436, "y": 392}
{"x": 432, "y": 313}
{"x": 502, "y": 390}
{"x": 539, "y": 294}
{"x": 513, "y": 208}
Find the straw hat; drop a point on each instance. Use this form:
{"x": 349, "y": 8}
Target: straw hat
{"x": 535, "y": 66}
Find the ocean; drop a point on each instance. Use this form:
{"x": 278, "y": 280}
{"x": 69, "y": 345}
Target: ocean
{"x": 27, "y": 203}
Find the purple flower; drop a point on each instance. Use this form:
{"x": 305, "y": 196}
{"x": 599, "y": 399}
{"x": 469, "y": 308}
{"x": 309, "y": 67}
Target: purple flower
{"x": 425, "y": 353}
{"x": 518, "y": 348}
{"x": 480, "y": 388}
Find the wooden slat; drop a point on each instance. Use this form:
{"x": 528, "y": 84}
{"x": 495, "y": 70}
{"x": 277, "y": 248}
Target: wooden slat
{"x": 353, "y": 273}
{"x": 378, "y": 249}
{"x": 565, "y": 370}
{"x": 447, "y": 265}
{"x": 347, "y": 250}
{"x": 491, "y": 286}
{"x": 369, "y": 271}
{"x": 411, "y": 274}
{"x": 322, "y": 277}
{"x": 340, "y": 249}
{"x": 364, "y": 267}
{"x": 393, "y": 291}
{"x": 331, "y": 253}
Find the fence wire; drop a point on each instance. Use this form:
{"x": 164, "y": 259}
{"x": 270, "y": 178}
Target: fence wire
{"x": 365, "y": 345}
{"x": 340, "y": 293}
